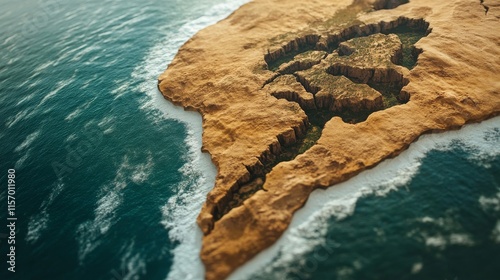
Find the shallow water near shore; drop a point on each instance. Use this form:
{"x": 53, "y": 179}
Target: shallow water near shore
{"x": 110, "y": 177}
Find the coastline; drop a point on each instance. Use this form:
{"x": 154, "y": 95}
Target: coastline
{"x": 179, "y": 213}
{"x": 340, "y": 200}
{"x": 440, "y": 100}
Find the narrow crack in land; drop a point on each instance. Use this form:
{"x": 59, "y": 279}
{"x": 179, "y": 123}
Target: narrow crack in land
{"x": 486, "y": 8}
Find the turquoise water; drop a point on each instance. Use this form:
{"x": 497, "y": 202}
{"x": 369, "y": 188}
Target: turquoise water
{"x": 110, "y": 178}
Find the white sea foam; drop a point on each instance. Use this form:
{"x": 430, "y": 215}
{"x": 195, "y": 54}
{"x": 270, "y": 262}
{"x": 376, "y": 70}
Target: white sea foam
{"x": 36, "y": 225}
{"x": 122, "y": 87}
{"x": 308, "y": 227}
{"x": 179, "y": 214}
{"x": 88, "y": 82}
{"x": 25, "y": 147}
{"x": 38, "y": 222}
{"x": 106, "y": 121}
{"x": 88, "y": 233}
{"x": 74, "y": 114}
{"x": 132, "y": 265}
{"x": 142, "y": 171}
{"x": 199, "y": 173}
{"x": 107, "y": 124}
{"x": 71, "y": 137}
{"x": 163, "y": 53}
{"x": 111, "y": 197}
{"x": 34, "y": 81}
{"x": 492, "y": 205}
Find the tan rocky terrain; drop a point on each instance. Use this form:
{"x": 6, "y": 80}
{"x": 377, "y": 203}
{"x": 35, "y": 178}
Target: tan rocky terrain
{"x": 298, "y": 95}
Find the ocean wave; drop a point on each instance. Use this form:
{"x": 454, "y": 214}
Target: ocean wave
{"x": 20, "y": 162}
{"x": 89, "y": 233}
{"x": 131, "y": 265}
{"x": 36, "y": 225}
{"x": 26, "y": 147}
{"x": 44, "y": 66}
{"x": 122, "y": 87}
{"x": 451, "y": 232}
{"x": 88, "y": 82}
{"x": 12, "y": 120}
{"x": 308, "y": 227}
{"x": 34, "y": 80}
{"x": 27, "y": 97}
{"x": 111, "y": 197}
{"x": 492, "y": 205}
{"x": 59, "y": 86}
{"x": 179, "y": 214}
{"x": 142, "y": 172}
{"x": 77, "y": 112}
{"x": 38, "y": 222}
{"x": 10, "y": 38}
{"x": 28, "y": 141}
{"x": 107, "y": 124}
{"x": 161, "y": 54}
{"x": 92, "y": 48}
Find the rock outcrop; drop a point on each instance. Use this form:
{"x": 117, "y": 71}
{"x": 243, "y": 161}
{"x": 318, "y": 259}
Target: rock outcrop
{"x": 251, "y": 77}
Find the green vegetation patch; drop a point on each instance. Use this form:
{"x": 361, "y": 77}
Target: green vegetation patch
{"x": 408, "y": 36}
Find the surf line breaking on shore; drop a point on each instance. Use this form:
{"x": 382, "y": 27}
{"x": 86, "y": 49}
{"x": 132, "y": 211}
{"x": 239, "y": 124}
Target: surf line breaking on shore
{"x": 181, "y": 210}
{"x": 309, "y": 226}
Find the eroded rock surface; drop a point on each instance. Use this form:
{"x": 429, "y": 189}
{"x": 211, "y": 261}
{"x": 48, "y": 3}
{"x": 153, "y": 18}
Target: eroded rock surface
{"x": 269, "y": 78}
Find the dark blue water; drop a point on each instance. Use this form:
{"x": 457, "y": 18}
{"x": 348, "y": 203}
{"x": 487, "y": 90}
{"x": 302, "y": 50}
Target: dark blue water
{"x": 103, "y": 166}
{"x": 431, "y": 213}
{"x": 110, "y": 178}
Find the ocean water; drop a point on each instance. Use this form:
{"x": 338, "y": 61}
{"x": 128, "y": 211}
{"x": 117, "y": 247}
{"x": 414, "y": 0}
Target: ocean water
{"x": 433, "y": 212}
{"x": 110, "y": 177}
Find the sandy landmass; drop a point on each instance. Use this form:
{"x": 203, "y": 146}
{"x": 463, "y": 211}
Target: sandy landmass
{"x": 260, "y": 77}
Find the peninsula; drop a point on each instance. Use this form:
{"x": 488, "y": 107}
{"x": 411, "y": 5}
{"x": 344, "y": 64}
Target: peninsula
{"x": 298, "y": 95}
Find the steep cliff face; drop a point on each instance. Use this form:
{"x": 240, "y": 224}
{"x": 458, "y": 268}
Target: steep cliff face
{"x": 287, "y": 87}
{"x": 346, "y": 80}
{"x": 279, "y": 64}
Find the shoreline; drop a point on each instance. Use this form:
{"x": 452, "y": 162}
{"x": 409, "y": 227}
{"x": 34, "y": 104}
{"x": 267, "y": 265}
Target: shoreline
{"x": 199, "y": 170}
{"x": 340, "y": 200}
{"x": 245, "y": 127}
